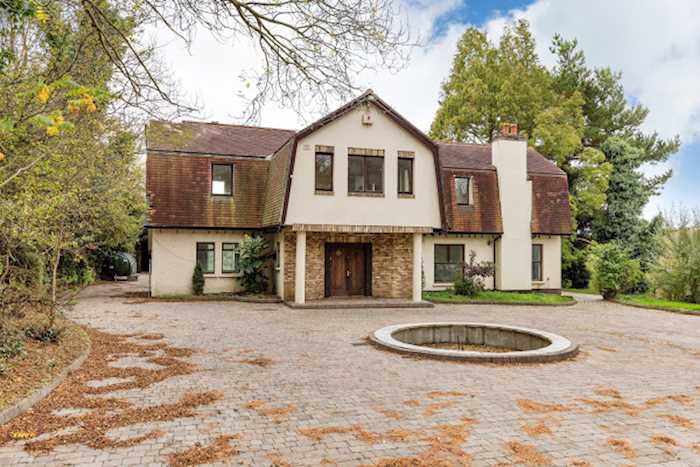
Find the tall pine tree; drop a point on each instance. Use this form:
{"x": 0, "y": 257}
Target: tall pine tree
{"x": 575, "y": 115}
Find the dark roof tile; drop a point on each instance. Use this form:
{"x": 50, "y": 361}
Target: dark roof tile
{"x": 214, "y": 138}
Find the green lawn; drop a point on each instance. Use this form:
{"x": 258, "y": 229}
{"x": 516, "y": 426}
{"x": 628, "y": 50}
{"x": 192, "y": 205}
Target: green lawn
{"x": 587, "y": 291}
{"x": 490, "y": 296}
{"x": 653, "y": 302}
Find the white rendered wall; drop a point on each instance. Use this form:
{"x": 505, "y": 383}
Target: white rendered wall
{"x": 482, "y": 246}
{"x": 514, "y": 256}
{"x": 173, "y": 257}
{"x": 551, "y": 262}
{"x": 307, "y": 207}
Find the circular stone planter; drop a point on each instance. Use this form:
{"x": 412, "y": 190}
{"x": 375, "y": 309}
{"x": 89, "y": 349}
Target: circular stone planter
{"x": 528, "y": 345}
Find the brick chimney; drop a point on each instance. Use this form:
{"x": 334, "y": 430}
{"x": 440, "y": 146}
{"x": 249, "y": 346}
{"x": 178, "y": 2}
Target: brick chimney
{"x": 509, "y": 130}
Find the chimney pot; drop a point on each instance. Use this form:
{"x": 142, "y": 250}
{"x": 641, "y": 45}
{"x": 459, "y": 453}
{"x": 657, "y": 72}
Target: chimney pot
{"x": 509, "y": 129}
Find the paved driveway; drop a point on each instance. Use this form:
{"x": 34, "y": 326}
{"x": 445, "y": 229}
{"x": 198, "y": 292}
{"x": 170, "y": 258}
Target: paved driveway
{"x": 302, "y": 387}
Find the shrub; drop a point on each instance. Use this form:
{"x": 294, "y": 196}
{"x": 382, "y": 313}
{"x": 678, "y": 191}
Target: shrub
{"x": 198, "y": 280}
{"x": 573, "y": 266}
{"x": 467, "y": 286}
{"x": 44, "y": 333}
{"x": 253, "y": 257}
{"x": 612, "y": 270}
{"x": 676, "y": 273}
{"x": 11, "y": 344}
{"x": 471, "y": 281}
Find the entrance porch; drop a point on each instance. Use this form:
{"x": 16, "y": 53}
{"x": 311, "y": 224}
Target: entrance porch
{"x": 344, "y": 262}
{"x": 333, "y": 303}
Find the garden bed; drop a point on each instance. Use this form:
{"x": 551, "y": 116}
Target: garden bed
{"x": 40, "y": 362}
{"x": 654, "y": 303}
{"x": 494, "y": 297}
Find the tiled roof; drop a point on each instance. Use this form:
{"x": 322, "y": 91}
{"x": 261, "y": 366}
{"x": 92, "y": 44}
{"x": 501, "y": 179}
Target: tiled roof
{"x": 550, "y": 205}
{"x": 178, "y": 189}
{"x": 483, "y": 215}
{"x": 179, "y": 168}
{"x": 276, "y": 186}
{"x": 478, "y": 156}
{"x": 214, "y": 138}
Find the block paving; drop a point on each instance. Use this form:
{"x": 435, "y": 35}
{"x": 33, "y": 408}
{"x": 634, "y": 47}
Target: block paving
{"x": 303, "y": 387}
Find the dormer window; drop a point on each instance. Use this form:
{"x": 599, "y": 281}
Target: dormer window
{"x": 221, "y": 179}
{"x": 462, "y": 190}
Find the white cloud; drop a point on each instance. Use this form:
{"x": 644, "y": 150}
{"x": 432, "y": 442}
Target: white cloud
{"x": 656, "y": 46}
{"x": 209, "y": 72}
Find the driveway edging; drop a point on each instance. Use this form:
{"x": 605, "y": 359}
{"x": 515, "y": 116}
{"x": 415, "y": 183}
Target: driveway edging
{"x": 448, "y": 302}
{"x": 25, "y": 404}
{"x": 655, "y": 308}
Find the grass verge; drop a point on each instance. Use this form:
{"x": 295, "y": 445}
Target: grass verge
{"x": 495, "y": 296}
{"x": 587, "y": 291}
{"x": 648, "y": 301}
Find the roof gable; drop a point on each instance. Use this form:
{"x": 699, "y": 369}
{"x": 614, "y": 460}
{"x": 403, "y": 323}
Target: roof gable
{"x": 371, "y": 97}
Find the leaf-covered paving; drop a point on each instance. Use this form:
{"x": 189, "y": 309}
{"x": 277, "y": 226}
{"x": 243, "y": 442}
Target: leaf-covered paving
{"x": 189, "y": 383}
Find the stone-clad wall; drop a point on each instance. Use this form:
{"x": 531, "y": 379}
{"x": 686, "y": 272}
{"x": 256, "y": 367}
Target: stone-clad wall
{"x": 392, "y": 262}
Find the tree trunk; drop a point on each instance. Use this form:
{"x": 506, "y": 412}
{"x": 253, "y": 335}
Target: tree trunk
{"x": 54, "y": 284}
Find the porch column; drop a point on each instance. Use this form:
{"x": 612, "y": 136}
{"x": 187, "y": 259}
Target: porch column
{"x": 417, "y": 267}
{"x": 300, "y": 270}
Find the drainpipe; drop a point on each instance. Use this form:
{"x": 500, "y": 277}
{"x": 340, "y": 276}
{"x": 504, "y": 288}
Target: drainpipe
{"x": 494, "y": 261}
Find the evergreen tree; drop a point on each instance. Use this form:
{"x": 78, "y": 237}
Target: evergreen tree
{"x": 574, "y": 115}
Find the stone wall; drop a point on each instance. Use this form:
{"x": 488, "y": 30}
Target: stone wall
{"x": 392, "y": 263}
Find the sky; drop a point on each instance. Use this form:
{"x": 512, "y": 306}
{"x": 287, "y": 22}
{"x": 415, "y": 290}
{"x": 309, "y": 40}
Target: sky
{"x": 654, "y": 44}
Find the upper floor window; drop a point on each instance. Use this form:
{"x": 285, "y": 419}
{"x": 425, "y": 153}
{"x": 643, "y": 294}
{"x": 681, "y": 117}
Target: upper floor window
{"x": 324, "y": 168}
{"x": 221, "y": 179}
{"x": 462, "y": 190}
{"x": 365, "y": 170}
{"x": 230, "y": 257}
{"x": 405, "y": 175}
{"x": 205, "y": 257}
{"x": 537, "y": 263}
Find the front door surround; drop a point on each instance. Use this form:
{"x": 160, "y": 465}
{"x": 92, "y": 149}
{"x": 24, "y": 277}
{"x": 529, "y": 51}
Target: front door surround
{"x": 348, "y": 269}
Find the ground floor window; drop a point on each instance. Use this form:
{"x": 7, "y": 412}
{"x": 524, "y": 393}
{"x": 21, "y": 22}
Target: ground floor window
{"x": 537, "y": 262}
{"x": 448, "y": 262}
{"x": 205, "y": 257}
{"x": 230, "y": 256}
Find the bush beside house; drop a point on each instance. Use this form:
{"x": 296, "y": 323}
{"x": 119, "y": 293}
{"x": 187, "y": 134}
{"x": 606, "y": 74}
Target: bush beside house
{"x": 254, "y": 256}
{"x": 612, "y": 270}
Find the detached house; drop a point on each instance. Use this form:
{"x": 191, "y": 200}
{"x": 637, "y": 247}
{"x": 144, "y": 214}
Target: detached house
{"x": 360, "y": 202}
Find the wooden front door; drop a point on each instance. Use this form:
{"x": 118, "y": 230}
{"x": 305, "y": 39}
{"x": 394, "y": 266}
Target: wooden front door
{"x": 348, "y": 269}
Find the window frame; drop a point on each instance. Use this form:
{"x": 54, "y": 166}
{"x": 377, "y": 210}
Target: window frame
{"x": 469, "y": 188}
{"x": 211, "y": 182}
{"x": 436, "y": 263}
{"x": 398, "y": 169}
{"x": 540, "y": 247}
{"x": 364, "y": 158}
{"x": 323, "y": 153}
{"x": 213, "y": 252}
{"x": 236, "y": 257}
